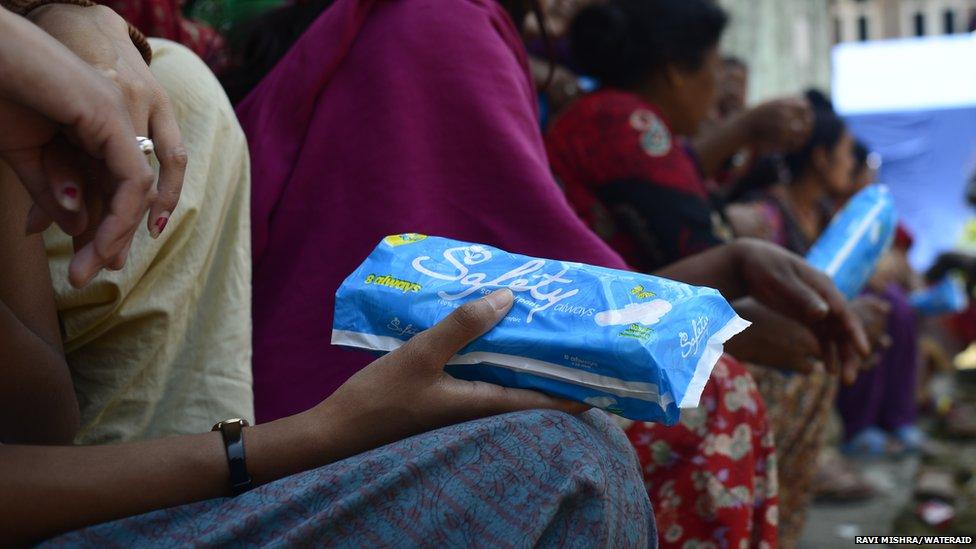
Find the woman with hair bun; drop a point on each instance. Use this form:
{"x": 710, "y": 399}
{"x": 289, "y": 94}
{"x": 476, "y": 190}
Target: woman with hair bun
{"x": 795, "y": 214}
{"x": 629, "y": 175}
{"x": 658, "y": 63}
{"x": 622, "y": 157}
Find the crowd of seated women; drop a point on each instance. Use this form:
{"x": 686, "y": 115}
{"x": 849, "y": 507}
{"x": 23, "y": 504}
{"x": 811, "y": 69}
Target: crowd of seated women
{"x": 145, "y": 298}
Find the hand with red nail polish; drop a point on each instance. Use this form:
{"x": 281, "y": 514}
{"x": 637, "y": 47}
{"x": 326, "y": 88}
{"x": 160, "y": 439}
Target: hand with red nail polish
{"x": 101, "y": 38}
{"x": 160, "y": 224}
{"x": 64, "y": 121}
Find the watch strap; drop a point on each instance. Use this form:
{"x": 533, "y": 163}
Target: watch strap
{"x": 232, "y": 431}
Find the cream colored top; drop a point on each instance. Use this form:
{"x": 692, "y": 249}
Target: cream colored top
{"x": 163, "y": 346}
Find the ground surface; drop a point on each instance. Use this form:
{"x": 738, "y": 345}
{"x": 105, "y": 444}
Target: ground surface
{"x": 835, "y": 525}
{"x": 892, "y": 512}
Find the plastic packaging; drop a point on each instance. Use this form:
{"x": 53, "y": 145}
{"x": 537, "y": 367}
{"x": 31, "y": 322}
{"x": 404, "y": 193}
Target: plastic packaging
{"x": 635, "y": 345}
{"x": 856, "y": 239}
{"x": 946, "y": 296}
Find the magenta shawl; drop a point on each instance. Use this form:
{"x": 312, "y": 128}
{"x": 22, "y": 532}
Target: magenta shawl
{"x": 387, "y": 117}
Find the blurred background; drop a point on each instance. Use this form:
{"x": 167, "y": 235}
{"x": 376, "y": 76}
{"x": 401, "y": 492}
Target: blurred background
{"x": 901, "y": 72}
{"x": 903, "y": 75}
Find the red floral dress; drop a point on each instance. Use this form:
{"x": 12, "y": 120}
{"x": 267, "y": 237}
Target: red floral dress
{"x": 712, "y": 477}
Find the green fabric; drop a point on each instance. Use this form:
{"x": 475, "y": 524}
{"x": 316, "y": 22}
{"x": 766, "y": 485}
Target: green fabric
{"x": 224, "y": 15}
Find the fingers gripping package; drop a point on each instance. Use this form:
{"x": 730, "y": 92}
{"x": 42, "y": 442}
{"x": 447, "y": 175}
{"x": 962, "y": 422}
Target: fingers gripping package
{"x": 635, "y": 345}
{"x": 856, "y": 239}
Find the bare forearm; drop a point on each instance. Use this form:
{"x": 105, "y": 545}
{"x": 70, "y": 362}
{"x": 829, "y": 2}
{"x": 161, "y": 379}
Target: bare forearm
{"x": 721, "y": 143}
{"x": 773, "y": 340}
{"x": 716, "y": 268}
{"x": 404, "y": 393}
{"x": 37, "y": 400}
{"x": 744, "y": 345}
{"x": 50, "y": 490}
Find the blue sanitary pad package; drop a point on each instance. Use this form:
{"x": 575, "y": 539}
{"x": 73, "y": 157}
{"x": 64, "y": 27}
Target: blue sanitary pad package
{"x": 635, "y": 345}
{"x": 849, "y": 250}
{"x": 946, "y": 296}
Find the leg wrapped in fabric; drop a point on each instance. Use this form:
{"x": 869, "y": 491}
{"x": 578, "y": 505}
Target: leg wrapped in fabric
{"x": 516, "y": 480}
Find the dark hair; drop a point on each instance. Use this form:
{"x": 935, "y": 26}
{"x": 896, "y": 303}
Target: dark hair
{"x": 734, "y": 61}
{"x": 765, "y": 171}
{"x": 257, "y": 45}
{"x": 861, "y": 153}
{"x": 623, "y": 42}
{"x": 828, "y": 128}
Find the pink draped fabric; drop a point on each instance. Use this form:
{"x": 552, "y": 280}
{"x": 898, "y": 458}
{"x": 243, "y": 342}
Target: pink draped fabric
{"x": 387, "y": 117}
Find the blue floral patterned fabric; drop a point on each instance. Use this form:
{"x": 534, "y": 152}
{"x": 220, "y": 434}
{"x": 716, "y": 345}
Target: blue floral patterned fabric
{"x": 516, "y": 480}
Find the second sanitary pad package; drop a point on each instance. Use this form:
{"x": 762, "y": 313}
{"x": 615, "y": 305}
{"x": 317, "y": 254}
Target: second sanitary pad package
{"x": 856, "y": 239}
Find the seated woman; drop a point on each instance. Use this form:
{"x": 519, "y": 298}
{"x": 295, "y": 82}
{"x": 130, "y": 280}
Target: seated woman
{"x": 880, "y": 410}
{"x": 795, "y": 213}
{"x": 798, "y": 210}
{"x": 421, "y": 117}
{"x": 622, "y": 158}
{"x": 162, "y": 346}
{"x": 824, "y": 174}
{"x": 345, "y": 472}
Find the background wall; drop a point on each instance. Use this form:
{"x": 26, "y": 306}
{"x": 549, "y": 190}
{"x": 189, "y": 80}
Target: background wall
{"x": 913, "y": 100}
{"x": 787, "y": 43}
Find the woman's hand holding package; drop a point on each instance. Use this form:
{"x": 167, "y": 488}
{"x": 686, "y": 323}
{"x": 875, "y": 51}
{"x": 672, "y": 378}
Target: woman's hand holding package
{"x": 57, "y": 111}
{"x": 406, "y": 392}
{"x": 785, "y": 283}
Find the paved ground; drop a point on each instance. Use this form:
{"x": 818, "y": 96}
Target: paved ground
{"x": 835, "y": 525}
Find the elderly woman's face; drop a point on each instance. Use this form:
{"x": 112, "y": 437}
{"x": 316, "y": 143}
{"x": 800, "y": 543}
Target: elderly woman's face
{"x": 694, "y": 93}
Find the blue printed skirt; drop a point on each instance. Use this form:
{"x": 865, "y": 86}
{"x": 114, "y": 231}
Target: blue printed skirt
{"x": 516, "y": 480}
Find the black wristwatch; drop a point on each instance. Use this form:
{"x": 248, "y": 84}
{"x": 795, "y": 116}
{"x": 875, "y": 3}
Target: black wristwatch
{"x": 232, "y": 431}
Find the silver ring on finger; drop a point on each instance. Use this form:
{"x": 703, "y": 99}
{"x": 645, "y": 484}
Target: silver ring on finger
{"x": 145, "y": 145}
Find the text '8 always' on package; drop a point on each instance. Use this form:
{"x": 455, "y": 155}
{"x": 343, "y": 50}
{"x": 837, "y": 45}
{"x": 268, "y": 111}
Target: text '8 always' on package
{"x": 632, "y": 344}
